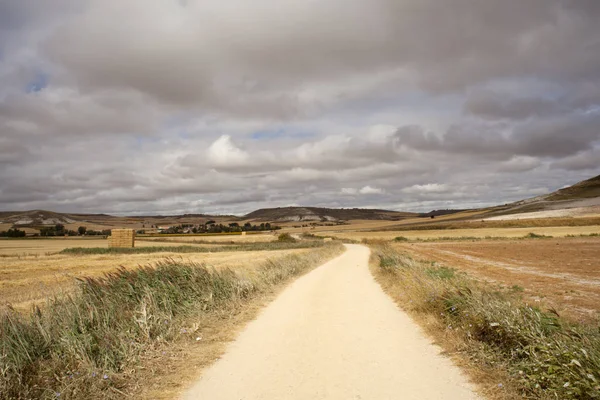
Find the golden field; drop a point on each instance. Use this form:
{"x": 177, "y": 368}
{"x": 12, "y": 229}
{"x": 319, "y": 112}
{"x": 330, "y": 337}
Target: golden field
{"x": 556, "y": 231}
{"x": 31, "y": 270}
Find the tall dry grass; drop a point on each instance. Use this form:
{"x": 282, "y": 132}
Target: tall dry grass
{"x": 530, "y": 352}
{"x": 81, "y": 346}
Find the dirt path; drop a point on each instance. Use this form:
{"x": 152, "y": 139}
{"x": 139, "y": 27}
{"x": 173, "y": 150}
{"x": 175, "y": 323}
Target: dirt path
{"x": 333, "y": 334}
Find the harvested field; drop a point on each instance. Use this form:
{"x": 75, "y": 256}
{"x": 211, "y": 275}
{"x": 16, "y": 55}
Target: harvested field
{"x": 563, "y": 273}
{"x": 555, "y": 231}
{"x": 27, "y": 279}
{"x": 249, "y": 238}
{"x": 33, "y": 247}
{"x": 577, "y": 212}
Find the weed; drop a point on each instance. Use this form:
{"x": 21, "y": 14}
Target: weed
{"x": 543, "y": 354}
{"x": 83, "y": 345}
{"x": 532, "y": 235}
{"x": 440, "y": 272}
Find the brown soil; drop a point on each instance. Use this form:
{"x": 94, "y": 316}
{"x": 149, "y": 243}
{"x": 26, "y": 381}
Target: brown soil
{"x": 564, "y": 273}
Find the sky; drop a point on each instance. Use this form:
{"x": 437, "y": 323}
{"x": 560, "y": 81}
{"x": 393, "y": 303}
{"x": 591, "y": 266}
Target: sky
{"x": 189, "y": 106}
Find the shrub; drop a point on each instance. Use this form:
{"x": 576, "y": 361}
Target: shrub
{"x": 532, "y": 235}
{"x": 286, "y": 238}
{"x": 546, "y": 356}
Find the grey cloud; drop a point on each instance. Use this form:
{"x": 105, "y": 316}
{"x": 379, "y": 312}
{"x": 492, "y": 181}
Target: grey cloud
{"x": 494, "y": 101}
{"x": 586, "y": 160}
{"x": 228, "y": 53}
{"x": 552, "y": 137}
{"x": 490, "y": 105}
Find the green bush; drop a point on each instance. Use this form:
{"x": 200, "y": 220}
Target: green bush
{"x": 286, "y": 238}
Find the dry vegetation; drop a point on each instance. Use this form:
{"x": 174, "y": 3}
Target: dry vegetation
{"x": 512, "y": 348}
{"x": 110, "y": 333}
{"x": 555, "y": 231}
{"x": 501, "y": 223}
{"x": 562, "y": 272}
{"x": 28, "y": 278}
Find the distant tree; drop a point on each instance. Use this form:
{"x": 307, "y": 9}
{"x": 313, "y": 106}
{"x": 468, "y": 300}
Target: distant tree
{"x": 13, "y": 233}
{"x": 194, "y": 230}
{"x": 82, "y": 230}
{"x": 59, "y": 230}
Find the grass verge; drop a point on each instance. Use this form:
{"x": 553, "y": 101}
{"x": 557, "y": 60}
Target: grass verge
{"x": 86, "y": 345}
{"x": 515, "y": 350}
{"x": 258, "y": 246}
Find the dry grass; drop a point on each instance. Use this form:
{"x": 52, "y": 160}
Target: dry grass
{"x": 555, "y": 231}
{"x": 512, "y": 349}
{"x": 510, "y": 221}
{"x": 212, "y": 239}
{"x": 32, "y": 247}
{"x": 129, "y": 332}
{"x": 564, "y": 272}
{"x": 27, "y": 279}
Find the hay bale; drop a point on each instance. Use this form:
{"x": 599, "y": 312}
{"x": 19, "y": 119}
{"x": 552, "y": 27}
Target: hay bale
{"x": 122, "y": 238}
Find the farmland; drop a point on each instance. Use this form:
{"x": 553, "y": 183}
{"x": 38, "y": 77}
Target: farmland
{"x": 482, "y": 233}
{"x": 563, "y": 273}
{"x": 31, "y": 270}
{"x": 176, "y": 298}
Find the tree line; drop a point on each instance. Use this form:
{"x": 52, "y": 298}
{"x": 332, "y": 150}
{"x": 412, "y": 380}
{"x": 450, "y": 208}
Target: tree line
{"x": 212, "y": 227}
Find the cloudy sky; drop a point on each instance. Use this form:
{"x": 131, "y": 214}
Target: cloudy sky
{"x": 172, "y": 106}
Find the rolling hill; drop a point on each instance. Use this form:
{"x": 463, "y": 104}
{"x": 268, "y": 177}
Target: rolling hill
{"x": 289, "y": 214}
{"x": 585, "y": 194}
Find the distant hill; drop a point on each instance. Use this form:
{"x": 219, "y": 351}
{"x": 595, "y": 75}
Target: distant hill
{"x": 587, "y": 189}
{"x": 316, "y": 214}
{"x": 582, "y": 194}
{"x": 35, "y": 218}
{"x": 437, "y": 213}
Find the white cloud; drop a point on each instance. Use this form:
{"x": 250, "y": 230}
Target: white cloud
{"x": 370, "y": 190}
{"x": 427, "y": 188}
{"x": 223, "y": 152}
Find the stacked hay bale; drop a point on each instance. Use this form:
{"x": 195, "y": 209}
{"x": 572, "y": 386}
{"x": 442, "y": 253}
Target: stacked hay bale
{"x": 123, "y": 238}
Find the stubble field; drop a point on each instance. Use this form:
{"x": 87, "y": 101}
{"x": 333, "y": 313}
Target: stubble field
{"x": 32, "y": 270}
{"x": 563, "y": 273}
{"x": 482, "y": 233}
